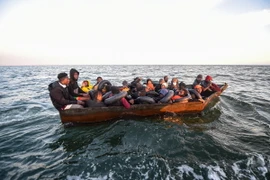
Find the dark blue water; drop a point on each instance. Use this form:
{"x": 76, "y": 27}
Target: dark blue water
{"x": 230, "y": 141}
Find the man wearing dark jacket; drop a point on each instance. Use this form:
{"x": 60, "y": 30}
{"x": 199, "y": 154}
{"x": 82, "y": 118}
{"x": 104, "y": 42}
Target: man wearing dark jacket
{"x": 73, "y": 86}
{"x": 60, "y": 96}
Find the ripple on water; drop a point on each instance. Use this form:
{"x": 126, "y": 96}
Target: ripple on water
{"x": 228, "y": 141}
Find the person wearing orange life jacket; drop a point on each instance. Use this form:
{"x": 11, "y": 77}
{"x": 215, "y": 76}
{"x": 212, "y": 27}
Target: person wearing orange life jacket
{"x": 149, "y": 86}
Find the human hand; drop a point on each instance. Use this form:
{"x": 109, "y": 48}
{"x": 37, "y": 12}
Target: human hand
{"x": 80, "y": 102}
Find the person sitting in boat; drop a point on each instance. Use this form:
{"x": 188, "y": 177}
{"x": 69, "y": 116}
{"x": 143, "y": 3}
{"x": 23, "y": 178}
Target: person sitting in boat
{"x": 97, "y": 100}
{"x": 166, "y": 81}
{"x": 174, "y": 85}
{"x": 194, "y": 95}
{"x": 149, "y": 86}
{"x": 124, "y": 86}
{"x": 73, "y": 86}
{"x": 122, "y": 101}
{"x": 163, "y": 90}
{"x": 180, "y": 92}
{"x": 60, "y": 96}
{"x": 208, "y": 87}
{"x": 86, "y": 86}
{"x": 158, "y": 86}
{"x": 197, "y": 81}
{"x": 137, "y": 84}
{"x": 99, "y": 79}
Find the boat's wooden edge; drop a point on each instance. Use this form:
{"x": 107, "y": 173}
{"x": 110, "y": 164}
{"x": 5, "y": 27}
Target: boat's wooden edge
{"x": 166, "y": 107}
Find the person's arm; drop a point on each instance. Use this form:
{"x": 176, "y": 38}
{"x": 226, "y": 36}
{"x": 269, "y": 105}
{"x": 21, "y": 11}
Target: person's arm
{"x": 125, "y": 103}
{"x": 58, "y": 96}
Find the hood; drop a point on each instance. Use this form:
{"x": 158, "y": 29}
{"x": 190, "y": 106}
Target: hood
{"x": 53, "y": 85}
{"x": 89, "y": 84}
{"x": 71, "y": 74}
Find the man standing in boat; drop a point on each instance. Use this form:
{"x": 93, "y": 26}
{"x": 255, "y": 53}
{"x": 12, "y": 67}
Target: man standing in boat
{"x": 60, "y": 96}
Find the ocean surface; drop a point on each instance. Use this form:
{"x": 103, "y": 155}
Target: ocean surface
{"x": 231, "y": 140}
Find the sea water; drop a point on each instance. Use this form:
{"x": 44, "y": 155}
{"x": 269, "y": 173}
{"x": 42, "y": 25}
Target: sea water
{"x": 231, "y": 140}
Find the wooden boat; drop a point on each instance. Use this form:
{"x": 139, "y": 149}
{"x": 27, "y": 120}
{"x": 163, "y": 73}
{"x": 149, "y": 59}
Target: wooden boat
{"x": 99, "y": 114}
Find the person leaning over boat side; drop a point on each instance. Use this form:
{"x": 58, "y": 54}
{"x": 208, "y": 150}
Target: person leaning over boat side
{"x": 208, "y": 87}
{"x": 149, "y": 86}
{"x": 197, "y": 81}
{"x": 99, "y": 79}
{"x": 60, "y": 96}
{"x": 73, "y": 86}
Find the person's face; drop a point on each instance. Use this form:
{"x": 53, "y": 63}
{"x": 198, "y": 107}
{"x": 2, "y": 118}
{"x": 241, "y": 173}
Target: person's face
{"x": 163, "y": 87}
{"x": 76, "y": 75}
{"x": 99, "y": 79}
{"x": 84, "y": 84}
{"x": 199, "y": 79}
{"x": 162, "y": 81}
{"x": 65, "y": 81}
{"x": 149, "y": 82}
{"x": 166, "y": 79}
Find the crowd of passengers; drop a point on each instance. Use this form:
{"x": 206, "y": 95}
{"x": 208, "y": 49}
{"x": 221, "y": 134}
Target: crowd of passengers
{"x": 67, "y": 94}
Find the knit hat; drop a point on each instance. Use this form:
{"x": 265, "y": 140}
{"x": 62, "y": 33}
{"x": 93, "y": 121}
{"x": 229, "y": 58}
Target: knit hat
{"x": 62, "y": 75}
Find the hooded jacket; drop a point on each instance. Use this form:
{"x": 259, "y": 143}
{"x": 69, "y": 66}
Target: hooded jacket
{"x": 73, "y": 86}
{"x": 86, "y": 89}
{"x": 60, "y": 96}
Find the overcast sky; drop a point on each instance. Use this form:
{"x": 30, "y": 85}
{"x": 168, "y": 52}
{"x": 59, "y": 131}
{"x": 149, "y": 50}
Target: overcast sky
{"x": 55, "y": 32}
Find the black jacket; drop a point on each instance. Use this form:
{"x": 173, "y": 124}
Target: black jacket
{"x": 73, "y": 86}
{"x": 60, "y": 96}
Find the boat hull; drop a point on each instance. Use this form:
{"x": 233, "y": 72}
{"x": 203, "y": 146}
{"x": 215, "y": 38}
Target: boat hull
{"x": 99, "y": 114}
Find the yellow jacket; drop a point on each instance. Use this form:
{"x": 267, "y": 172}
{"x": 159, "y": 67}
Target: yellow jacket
{"x": 87, "y": 88}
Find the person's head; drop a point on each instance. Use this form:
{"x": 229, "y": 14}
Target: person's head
{"x": 166, "y": 78}
{"x": 125, "y": 83}
{"x": 199, "y": 78}
{"x": 85, "y": 83}
{"x": 198, "y": 88}
{"x": 97, "y": 95}
{"x": 63, "y": 78}
{"x": 99, "y": 79}
{"x": 74, "y": 74}
{"x": 182, "y": 85}
{"x": 106, "y": 88}
{"x": 174, "y": 81}
{"x": 161, "y": 81}
{"x": 138, "y": 79}
{"x": 115, "y": 90}
{"x": 163, "y": 86}
{"x": 149, "y": 81}
{"x": 208, "y": 78}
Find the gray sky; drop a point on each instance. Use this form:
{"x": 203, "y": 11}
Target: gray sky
{"x": 134, "y": 32}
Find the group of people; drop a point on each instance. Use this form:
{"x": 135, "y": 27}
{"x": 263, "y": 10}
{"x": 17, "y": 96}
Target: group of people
{"x": 67, "y": 94}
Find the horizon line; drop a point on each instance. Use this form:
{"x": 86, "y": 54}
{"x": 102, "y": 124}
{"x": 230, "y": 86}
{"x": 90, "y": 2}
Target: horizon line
{"x": 137, "y": 65}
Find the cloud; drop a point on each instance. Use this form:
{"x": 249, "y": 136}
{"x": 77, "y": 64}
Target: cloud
{"x": 243, "y": 6}
{"x": 132, "y": 32}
